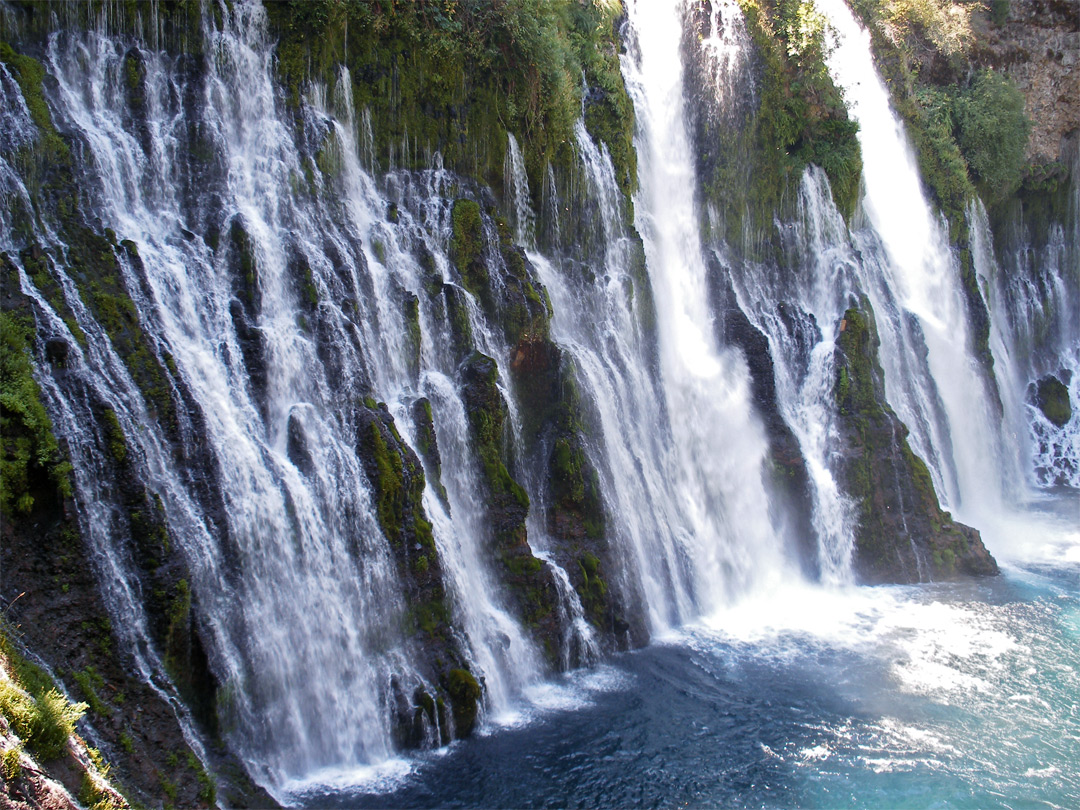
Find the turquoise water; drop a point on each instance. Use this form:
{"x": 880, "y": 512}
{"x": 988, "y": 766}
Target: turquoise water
{"x": 948, "y": 695}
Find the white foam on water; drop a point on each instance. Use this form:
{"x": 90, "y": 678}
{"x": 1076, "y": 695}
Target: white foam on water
{"x": 381, "y": 778}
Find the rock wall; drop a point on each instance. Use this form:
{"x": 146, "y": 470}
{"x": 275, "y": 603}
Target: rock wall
{"x": 1037, "y": 44}
{"x": 903, "y": 535}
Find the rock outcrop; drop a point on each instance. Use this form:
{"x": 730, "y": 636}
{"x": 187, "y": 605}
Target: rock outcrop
{"x": 1037, "y": 43}
{"x": 903, "y": 535}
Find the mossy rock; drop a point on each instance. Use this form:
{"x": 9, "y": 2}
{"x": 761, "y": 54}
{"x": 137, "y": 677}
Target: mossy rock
{"x": 465, "y": 694}
{"x": 33, "y": 469}
{"x": 427, "y": 444}
{"x": 467, "y": 251}
{"x": 902, "y": 533}
{"x": 1052, "y": 398}
{"x": 487, "y": 417}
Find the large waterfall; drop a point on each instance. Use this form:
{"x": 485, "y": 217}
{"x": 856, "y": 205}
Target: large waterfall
{"x": 284, "y": 311}
{"x": 292, "y": 577}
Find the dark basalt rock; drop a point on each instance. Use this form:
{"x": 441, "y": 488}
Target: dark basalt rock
{"x": 903, "y": 535}
{"x": 1052, "y": 398}
{"x": 398, "y": 481}
{"x": 530, "y": 583}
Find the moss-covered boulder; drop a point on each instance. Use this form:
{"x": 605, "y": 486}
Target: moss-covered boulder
{"x": 1052, "y": 398}
{"x": 465, "y": 695}
{"x": 903, "y": 535}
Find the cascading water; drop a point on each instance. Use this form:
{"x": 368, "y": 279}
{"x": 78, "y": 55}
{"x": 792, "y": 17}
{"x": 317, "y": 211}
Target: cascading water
{"x": 717, "y": 445}
{"x": 913, "y": 283}
{"x": 294, "y": 582}
{"x": 1035, "y": 332}
{"x": 794, "y": 311}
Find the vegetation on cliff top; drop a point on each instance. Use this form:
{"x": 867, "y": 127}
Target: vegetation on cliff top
{"x": 797, "y": 117}
{"x": 968, "y": 126}
{"x": 456, "y": 77}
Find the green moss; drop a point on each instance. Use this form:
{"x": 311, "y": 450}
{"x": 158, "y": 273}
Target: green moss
{"x": 91, "y": 683}
{"x": 30, "y": 450}
{"x": 10, "y": 766}
{"x": 593, "y": 590}
{"x": 91, "y": 794}
{"x": 465, "y": 694}
{"x": 522, "y": 565}
{"x": 169, "y": 788}
{"x": 244, "y": 252}
{"x": 854, "y": 386}
{"x": 422, "y": 529}
{"x": 388, "y": 486}
{"x": 93, "y": 265}
{"x": 30, "y": 74}
{"x": 207, "y": 792}
{"x": 456, "y": 77}
{"x": 466, "y": 249}
{"x": 566, "y": 462}
{"x": 36, "y": 263}
{"x": 1052, "y": 397}
{"x": 178, "y": 617}
{"x": 114, "y": 435}
{"x": 36, "y": 711}
{"x": 488, "y": 438}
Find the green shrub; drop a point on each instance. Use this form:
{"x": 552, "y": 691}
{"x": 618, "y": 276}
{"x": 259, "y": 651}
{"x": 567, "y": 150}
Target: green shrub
{"x": 992, "y": 131}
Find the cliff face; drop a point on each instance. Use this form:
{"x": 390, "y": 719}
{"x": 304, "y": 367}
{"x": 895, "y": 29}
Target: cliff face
{"x": 1037, "y": 44}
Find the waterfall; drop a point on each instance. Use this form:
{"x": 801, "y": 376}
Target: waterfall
{"x": 715, "y": 442}
{"x": 286, "y": 300}
{"x": 516, "y": 183}
{"x": 1035, "y": 331}
{"x": 983, "y": 461}
{"x": 913, "y": 282}
{"x": 294, "y": 584}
